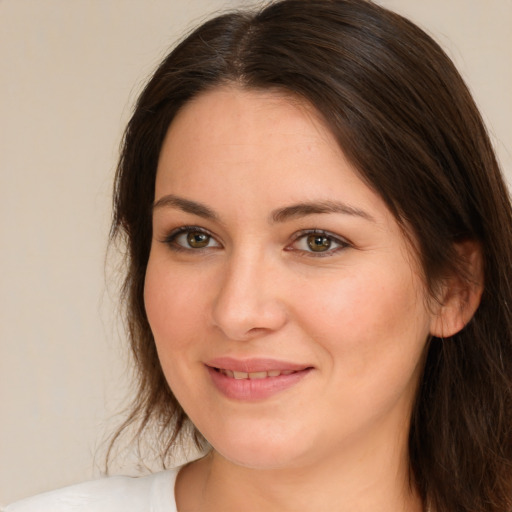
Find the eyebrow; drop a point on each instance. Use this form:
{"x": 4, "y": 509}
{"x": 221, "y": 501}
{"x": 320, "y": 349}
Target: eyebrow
{"x": 186, "y": 205}
{"x": 280, "y": 215}
{"x": 316, "y": 207}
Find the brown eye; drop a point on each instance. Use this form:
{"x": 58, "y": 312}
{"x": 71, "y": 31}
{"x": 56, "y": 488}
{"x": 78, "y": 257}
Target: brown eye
{"x": 319, "y": 243}
{"x": 316, "y": 242}
{"x": 192, "y": 239}
{"x": 198, "y": 240}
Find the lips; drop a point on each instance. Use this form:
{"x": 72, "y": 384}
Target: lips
{"x": 254, "y": 379}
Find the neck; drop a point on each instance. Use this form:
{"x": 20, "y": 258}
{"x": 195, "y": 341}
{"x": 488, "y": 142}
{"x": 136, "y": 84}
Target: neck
{"x": 376, "y": 478}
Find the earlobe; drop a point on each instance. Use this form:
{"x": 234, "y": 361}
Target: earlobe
{"x": 460, "y": 294}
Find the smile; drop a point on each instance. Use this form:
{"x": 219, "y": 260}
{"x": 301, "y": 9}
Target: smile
{"x": 253, "y": 375}
{"x": 255, "y": 379}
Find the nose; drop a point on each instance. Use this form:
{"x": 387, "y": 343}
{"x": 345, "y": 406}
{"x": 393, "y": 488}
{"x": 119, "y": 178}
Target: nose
{"x": 249, "y": 303}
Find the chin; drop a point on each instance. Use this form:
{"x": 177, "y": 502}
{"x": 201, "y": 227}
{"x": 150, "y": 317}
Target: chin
{"x": 265, "y": 449}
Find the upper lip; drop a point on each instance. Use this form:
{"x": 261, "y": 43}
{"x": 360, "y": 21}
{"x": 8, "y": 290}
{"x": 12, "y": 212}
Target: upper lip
{"x": 254, "y": 365}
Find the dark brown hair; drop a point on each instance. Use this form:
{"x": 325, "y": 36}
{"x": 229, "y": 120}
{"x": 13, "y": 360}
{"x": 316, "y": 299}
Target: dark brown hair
{"x": 405, "y": 119}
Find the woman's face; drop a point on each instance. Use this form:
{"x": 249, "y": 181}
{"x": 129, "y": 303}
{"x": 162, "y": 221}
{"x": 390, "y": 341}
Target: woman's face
{"x": 287, "y": 308}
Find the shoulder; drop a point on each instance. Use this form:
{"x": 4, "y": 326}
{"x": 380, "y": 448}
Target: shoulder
{"x": 113, "y": 494}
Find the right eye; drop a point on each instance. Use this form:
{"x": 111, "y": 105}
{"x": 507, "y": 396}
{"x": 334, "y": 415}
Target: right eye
{"x": 189, "y": 238}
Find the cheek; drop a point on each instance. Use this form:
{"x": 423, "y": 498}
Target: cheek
{"x": 365, "y": 317}
{"x": 174, "y": 306}
{"x": 372, "y": 330}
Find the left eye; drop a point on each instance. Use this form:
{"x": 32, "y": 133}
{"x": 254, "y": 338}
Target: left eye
{"x": 318, "y": 242}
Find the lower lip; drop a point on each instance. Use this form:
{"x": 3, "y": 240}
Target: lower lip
{"x": 254, "y": 389}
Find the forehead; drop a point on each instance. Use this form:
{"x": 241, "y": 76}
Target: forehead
{"x": 240, "y": 112}
{"x": 251, "y": 131}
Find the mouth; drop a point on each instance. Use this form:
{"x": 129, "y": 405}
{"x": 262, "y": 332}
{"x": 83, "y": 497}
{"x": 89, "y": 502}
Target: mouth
{"x": 233, "y": 374}
{"x": 254, "y": 379}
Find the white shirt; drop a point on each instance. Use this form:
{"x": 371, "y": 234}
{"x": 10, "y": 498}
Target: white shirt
{"x": 152, "y": 493}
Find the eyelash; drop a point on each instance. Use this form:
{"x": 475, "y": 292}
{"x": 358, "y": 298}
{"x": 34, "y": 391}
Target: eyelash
{"x": 170, "y": 240}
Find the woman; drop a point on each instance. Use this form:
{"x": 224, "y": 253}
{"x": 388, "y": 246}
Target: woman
{"x": 318, "y": 284}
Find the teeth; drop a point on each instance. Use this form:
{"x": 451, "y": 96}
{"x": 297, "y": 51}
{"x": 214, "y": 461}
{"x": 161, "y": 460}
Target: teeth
{"x": 258, "y": 375}
{"x": 254, "y": 375}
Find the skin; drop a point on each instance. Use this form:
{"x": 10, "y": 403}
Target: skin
{"x": 357, "y": 313}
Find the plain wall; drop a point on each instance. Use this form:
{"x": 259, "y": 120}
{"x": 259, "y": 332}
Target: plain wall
{"x": 69, "y": 73}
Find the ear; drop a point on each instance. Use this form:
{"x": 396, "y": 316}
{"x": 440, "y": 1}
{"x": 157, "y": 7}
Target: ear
{"x": 459, "y": 295}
